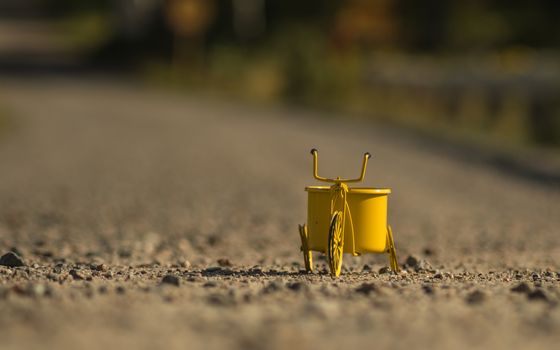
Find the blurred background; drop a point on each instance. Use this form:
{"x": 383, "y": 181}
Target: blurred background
{"x": 148, "y": 137}
{"x": 485, "y": 71}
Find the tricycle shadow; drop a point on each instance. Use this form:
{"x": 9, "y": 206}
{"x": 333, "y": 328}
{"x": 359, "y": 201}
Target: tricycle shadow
{"x": 220, "y": 272}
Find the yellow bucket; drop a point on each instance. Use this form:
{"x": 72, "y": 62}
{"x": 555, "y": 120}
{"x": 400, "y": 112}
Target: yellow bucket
{"x": 368, "y": 218}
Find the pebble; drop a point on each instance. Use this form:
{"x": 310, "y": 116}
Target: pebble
{"x": 256, "y": 270}
{"x": 273, "y": 286}
{"x": 428, "y": 251}
{"x": 220, "y": 299}
{"x": 224, "y": 263}
{"x": 475, "y": 297}
{"x": 77, "y": 275}
{"x": 366, "y": 288}
{"x": 210, "y": 284}
{"x": 170, "y": 279}
{"x": 417, "y": 264}
{"x": 521, "y": 288}
{"x": 428, "y": 289}
{"x": 384, "y": 270}
{"x": 213, "y": 269}
{"x": 100, "y": 267}
{"x": 32, "y": 290}
{"x": 194, "y": 279}
{"x": 11, "y": 259}
{"x": 297, "y": 286}
{"x": 537, "y": 294}
{"x": 38, "y": 290}
{"x": 412, "y": 261}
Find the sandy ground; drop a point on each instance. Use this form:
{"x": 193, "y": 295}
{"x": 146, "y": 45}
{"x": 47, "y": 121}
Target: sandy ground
{"x": 105, "y": 188}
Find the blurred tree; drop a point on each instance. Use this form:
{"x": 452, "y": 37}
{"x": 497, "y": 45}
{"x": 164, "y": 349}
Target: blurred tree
{"x": 189, "y": 20}
{"x": 249, "y": 18}
{"x": 365, "y": 24}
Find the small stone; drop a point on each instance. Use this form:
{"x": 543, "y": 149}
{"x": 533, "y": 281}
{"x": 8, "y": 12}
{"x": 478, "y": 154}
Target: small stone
{"x": 537, "y": 294}
{"x": 366, "y": 267}
{"x": 170, "y": 279}
{"x": 39, "y": 290}
{"x": 77, "y": 275}
{"x": 194, "y": 279}
{"x": 521, "y": 288}
{"x": 213, "y": 269}
{"x": 11, "y": 259}
{"x": 124, "y": 253}
{"x": 428, "y": 251}
{"x": 15, "y": 250}
{"x": 220, "y": 300}
{"x": 210, "y": 284}
{"x": 366, "y": 288}
{"x": 100, "y": 267}
{"x": 273, "y": 286}
{"x": 412, "y": 261}
{"x": 224, "y": 263}
{"x": 297, "y": 286}
{"x": 256, "y": 271}
{"x": 438, "y": 275}
{"x": 423, "y": 265}
{"x": 475, "y": 297}
{"x": 384, "y": 270}
{"x": 20, "y": 290}
{"x": 32, "y": 290}
{"x": 428, "y": 289}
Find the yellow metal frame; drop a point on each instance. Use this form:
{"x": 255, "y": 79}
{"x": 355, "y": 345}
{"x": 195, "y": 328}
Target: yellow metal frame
{"x": 333, "y": 230}
{"x": 338, "y": 180}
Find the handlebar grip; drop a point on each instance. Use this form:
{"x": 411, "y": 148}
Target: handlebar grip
{"x": 367, "y": 155}
{"x": 313, "y": 150}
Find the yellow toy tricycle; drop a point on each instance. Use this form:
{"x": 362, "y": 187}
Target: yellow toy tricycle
{"x": 346, "y": 220}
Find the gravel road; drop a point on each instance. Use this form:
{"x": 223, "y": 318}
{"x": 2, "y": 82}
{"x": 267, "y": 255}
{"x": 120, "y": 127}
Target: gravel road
{"x": 151, "y": 219}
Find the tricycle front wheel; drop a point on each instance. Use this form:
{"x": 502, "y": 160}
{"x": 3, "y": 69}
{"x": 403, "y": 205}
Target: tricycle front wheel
{"x": 335, "y": 244}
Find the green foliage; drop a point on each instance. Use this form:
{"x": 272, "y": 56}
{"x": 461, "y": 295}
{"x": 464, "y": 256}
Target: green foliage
{"x": 84, "y": 32}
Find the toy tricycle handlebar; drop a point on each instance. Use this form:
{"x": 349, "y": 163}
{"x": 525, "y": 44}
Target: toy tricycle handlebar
{"x": 315, "y": 154}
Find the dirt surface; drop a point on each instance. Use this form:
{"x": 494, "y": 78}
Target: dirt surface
{"x": 153, "y": 220}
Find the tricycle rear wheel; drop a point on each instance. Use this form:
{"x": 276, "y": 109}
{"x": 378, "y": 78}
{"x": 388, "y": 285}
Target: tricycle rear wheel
{"x": 392, "y": 251}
